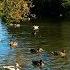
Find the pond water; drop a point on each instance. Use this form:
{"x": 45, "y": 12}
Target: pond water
{"x": 52, "y": 36}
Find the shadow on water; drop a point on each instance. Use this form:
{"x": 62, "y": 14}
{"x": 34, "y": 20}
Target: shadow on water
{"x": 52, "y": 36}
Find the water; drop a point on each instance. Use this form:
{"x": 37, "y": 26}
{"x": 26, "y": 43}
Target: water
{"x": 51, "y": 36}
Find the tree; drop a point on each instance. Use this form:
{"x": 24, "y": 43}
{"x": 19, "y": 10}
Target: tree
{"x": 16, "y": 10}
{"x": 1, "y": 8}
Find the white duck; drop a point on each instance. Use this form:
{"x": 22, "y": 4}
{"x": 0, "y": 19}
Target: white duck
{"x": 17, "y": 67}
{"x": 40, "y": 50}
{"x": 35, "y": 27}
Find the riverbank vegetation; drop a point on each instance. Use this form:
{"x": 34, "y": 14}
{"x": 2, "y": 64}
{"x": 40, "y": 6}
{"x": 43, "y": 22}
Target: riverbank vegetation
{"x": 25, "y": 10}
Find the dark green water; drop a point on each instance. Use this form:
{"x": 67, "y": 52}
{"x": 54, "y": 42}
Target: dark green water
{"x": 51, "y": 36}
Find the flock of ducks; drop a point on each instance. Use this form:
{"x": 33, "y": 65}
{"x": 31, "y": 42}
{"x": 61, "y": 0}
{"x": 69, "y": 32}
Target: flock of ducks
{"x": 38, "y": 63}
{"x": 62, "y": 53}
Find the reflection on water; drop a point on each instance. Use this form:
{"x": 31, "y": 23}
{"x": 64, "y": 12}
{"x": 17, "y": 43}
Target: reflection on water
{"x": 5, "y": 51}
{"x": 51, "y": 37}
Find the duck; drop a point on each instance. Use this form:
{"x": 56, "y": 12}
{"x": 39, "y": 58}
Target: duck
{"x": 33, "y": 51}
{"x": 39, "y": 50}
{"x": 13, "y": 44}
{"x": 35, "y": 27}
{"x": 12, "y": 67}
{"x": 35, "y": 30}
{"x": 38, "y": 63}
{"x": 55, "y": 53}
{"x": 62, "y": 53}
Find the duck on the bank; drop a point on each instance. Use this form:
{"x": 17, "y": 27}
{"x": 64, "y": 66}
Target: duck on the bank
{"x": 12, "y": 67}
{"x": 62, "y": 53}
{"x": 36, "y": 50}
{"x": 13, "y": 44}
{"x": 38, "y": 63}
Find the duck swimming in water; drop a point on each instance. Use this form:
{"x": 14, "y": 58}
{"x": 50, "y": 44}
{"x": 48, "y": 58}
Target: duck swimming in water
{"x": 13, "y": 44}
{"x": 38, "y": 63}
{"x": 39, "y": 50}
{"x": 35, "y": 29}
{"x": 55, "y": 53}
{"x": 62, "y": 53}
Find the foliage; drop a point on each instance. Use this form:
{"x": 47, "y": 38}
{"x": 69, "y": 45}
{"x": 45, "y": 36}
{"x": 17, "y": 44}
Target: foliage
{"x": 1, "y": 8}
{"x": 20, "y": 10}
{"x": 15, "y": 10}
{"x": 66, "y": 5}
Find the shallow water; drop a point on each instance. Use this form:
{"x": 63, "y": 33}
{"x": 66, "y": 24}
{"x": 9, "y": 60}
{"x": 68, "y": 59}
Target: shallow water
{"x": 51, "y": 37}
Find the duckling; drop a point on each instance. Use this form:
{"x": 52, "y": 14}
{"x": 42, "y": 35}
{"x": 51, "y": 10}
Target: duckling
{"x": 38, "y": 63}
{"x": 62, "y": 53}
{"x": 13, "y": 44}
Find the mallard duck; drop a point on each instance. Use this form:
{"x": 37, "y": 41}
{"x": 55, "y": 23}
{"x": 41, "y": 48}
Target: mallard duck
{"x": 33, "y": 51}
{"x": 38, "y": 63}
{"x": 36, "y": 50}
{"x": 55, "y": 53}
{"x": 13, "y": 44}
{"x": 62, "y": 53}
